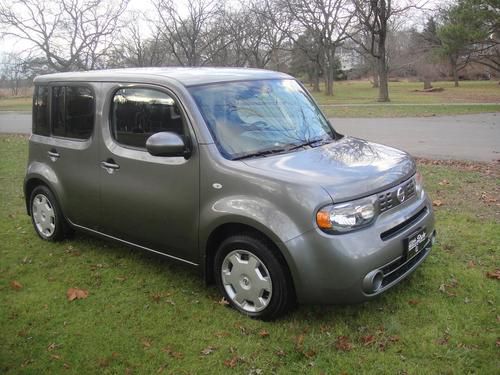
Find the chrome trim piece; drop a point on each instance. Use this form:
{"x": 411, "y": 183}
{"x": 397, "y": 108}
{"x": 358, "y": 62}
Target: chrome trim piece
{"x": 132, "y": 244}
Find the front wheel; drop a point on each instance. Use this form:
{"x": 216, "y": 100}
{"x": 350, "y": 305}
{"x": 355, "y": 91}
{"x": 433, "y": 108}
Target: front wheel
{"x": 252, "y": 278}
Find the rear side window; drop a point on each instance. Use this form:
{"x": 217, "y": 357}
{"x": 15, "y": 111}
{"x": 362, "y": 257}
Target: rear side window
{"x": 41, "y": 110}
{"x": 138, "y": 113}
{"x": 72, "y": 112}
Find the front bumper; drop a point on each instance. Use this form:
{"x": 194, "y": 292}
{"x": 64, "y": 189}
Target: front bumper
{"x": 330, "y": 269}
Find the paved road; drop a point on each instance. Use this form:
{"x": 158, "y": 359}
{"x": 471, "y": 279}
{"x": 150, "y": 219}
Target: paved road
{"x": 466, "y": 137}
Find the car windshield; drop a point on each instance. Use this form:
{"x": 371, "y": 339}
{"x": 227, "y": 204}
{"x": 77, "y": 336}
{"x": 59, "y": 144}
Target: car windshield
{"x": 254, "y": 118}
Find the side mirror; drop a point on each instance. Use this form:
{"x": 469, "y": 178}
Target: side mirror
{"x": 166, "y": 144}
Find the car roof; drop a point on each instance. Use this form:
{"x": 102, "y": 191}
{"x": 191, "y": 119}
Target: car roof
{"x": 186, "y": 76}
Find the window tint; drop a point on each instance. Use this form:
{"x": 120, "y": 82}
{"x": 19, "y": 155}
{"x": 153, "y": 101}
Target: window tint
{"x": 40, "y": 111}
{"x": 137, "y": 113}
{"x": 72, "y": 112}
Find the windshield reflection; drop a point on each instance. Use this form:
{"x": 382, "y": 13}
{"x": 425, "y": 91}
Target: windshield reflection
{"x": 254, "y": 118}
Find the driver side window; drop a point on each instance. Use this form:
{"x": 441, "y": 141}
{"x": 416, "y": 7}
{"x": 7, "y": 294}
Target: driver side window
{"x": 138, "y": 113}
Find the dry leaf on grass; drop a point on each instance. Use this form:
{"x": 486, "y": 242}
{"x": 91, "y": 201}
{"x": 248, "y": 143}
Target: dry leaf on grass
{"x": 437, "y": 203}
{"x": 223, "y": 302}
{"x": 232, "y": 362}
{"x": 75, "y": 293}
{"x": 16, "y": 285}
{"x": 368, "y": 340}
{"x": 263, "y": 333}
{"x": 208, "y": 350}
{"x": 493, "y": 274}
{"x": 343, "y": 344}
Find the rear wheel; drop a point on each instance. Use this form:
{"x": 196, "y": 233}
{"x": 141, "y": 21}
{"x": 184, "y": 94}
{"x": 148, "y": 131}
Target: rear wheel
{"x": 46, "y": 215}
{"x": 253, "y": 278}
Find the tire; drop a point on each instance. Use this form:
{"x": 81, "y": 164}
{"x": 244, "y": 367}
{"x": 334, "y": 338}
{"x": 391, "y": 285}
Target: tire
{"x": 252, "y": 278}
{"x": 46, "y": 215}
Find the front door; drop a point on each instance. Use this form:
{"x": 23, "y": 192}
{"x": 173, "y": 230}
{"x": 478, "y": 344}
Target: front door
{"x": 148, "y": 200}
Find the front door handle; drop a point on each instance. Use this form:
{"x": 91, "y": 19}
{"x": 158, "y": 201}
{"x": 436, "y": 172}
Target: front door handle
{"x": 110, "y": 166}
{"x": 53, "y": 155}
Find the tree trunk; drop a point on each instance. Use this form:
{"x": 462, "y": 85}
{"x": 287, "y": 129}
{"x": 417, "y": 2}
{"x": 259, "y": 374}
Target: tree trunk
{"x": 427, "y": 83}
{"x": 330, "y": 71}
{"x": 376, "y": 80}
{"x": 316, "y": 79}
{"x": 383, "y": 89}
{"x": 454, "y": 70}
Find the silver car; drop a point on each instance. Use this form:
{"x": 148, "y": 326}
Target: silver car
{"x": 233, "y": 171}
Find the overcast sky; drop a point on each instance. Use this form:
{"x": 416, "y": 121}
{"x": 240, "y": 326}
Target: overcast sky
{"x": 10, "y": 44}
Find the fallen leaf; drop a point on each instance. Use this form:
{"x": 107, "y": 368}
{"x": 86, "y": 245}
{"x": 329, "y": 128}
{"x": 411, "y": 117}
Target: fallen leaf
{"x": 309, "y": 354}
{"x": 120, "y": 278}
{"x": 231, "y": 363}
{"x": 66, "y": 366}
{"x": 493, "y": 274}
{"x": 444, "y": 182}
{"x": 172, "y": 353}
{"x": 299, "y": 342}
{"x": 413, "y": 302}
{"x": 208, "y": 350}
{"x": 55, "y": 356}
{"x": 223, "y": 302}
{"x": 161, "y": 368}
{"x": 52, "y": 346}
{"x": 343, "y": 344}
{"x": 75, "y": 293}
{"x": 146, "y": 343}
{"x": 221, "y": 334}
{"x": 16, "y": 285}
{"x": 263, "y": 333}
{"x": 498, "y": 343}
{"x": 437, "y": 203}
{"x": 280, "y": 353}
{"x": 368, "y": 340}
{"x": 471, "y": 264}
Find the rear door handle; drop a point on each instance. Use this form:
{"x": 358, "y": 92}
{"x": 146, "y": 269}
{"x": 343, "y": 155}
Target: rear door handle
{"x": 110, "y": 166}
{"x": 53, "y": 155}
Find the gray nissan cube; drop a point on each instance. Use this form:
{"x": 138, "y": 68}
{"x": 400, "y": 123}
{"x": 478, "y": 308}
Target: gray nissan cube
{"x": 233, "y": 171}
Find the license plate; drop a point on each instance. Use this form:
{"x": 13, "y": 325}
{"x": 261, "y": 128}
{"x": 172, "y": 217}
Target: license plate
{"x": 415, "y": 243}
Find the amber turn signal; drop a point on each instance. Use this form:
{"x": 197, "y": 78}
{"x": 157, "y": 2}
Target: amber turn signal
{"x": 323, "y": 220}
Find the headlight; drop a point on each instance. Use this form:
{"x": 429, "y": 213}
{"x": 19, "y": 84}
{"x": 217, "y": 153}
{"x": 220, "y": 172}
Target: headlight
{"x": 419, "y": 185}
{"x": 345, "y": 217}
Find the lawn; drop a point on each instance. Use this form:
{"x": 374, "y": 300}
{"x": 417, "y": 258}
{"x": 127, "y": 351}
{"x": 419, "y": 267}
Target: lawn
{"x": 144, "y": 314}
{"x": 358, "y": 99}
{"x": 20, "y": 103}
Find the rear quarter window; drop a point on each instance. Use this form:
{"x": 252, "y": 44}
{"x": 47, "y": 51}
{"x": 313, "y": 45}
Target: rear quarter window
{"x": 41, "y": 111}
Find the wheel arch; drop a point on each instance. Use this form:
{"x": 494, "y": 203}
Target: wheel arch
{"x": 225, "y": 230}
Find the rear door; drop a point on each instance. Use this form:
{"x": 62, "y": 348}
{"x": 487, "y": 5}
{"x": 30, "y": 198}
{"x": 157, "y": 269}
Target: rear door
{"x": 68, "y": 147}
{"x": 148, "y": 200}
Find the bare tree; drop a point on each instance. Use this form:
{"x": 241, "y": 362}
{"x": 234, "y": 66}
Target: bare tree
{"x": 327, "y": 21}
{"x": 135, "y": 48}
{"x": 70, "y": 34}
{"x": 13, "y": 70}
{"x": 191, "y": 35}
{"x": 373, "y": 20}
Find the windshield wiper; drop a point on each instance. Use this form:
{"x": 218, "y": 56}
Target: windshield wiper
{"x": 291, "y": 147}
{"x": 262, "y": 153}
{"x": 316, "y": 142}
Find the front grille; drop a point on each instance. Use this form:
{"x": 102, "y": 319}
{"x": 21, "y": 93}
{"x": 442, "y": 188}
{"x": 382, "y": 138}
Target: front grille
{"x": 384, "y": 236}
{"x": 388, "y": 199}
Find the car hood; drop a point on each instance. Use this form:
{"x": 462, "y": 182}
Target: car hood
{"x": 347, "y": 169}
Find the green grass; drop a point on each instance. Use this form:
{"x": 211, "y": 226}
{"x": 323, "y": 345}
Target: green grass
{"x": 145, "y": 314}
{"x": 471, "y": 97}
{"x": 19, "y": 103}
